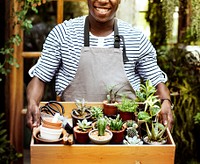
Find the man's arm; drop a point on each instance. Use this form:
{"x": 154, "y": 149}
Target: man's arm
{"x": 35, "y": 91}
{"x": 166, "y": 111}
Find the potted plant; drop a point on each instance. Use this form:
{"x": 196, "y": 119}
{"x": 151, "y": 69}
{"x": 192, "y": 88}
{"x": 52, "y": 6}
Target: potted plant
{"x": 132, "y": 137}
{"x": 154, "y": 129}
{"x": 81, "y": 131}
{"x": 80, "y": 112}
{"x": 96, "y": 112}
{"x": 127, "y": 108}
{"x": 109, "y": 105}
{"x": 101, "y": 135}
{"x": 117, "y": 127}
{"x": 143, "y": 93}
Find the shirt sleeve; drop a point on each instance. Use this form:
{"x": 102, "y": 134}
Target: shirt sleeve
{"x": 49, "y": 62}
{"x": 147, "y": 65}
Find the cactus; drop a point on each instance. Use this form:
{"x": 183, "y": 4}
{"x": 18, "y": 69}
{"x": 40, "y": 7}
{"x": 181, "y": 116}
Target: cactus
{"x": 131, "y": 132}
{"x": 101, "y": 126}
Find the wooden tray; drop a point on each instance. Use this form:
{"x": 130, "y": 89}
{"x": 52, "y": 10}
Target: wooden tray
{"x": 104, "y": 154}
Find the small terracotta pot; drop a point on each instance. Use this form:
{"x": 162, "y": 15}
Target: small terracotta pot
{"x": 126, "y": 116}
{"x": 109, "y": 109}
{"x": 47, "y": 122}
{"x": 80, "y": 136}
{"x": 118, "y": 136}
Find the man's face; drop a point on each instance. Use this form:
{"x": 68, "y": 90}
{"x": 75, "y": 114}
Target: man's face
{"x": 103, "y": 10}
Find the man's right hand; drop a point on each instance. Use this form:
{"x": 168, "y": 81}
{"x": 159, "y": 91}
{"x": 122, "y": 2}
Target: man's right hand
{"x": 35, "y": 91}
{"x": 33, "y": 117}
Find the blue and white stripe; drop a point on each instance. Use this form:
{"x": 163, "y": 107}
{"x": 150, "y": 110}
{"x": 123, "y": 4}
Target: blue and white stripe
{"x": 61, "y": 53}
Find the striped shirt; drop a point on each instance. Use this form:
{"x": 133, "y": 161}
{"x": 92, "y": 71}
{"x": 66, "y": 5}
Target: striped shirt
{"x": 61, "y": 53}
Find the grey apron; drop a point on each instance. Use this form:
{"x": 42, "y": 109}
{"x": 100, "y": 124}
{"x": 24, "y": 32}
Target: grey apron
{"x": 98, "y": 69}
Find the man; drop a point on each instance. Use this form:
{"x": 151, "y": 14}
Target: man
{"x": 86, "y": 54}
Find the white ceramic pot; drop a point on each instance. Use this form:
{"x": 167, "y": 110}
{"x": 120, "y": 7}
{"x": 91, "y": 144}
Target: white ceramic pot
{"x": 50, "y": 134}
{"x": 93, "y": 135}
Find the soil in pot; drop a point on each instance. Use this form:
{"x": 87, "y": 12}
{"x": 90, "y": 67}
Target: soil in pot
{"x": 80, "y": 136}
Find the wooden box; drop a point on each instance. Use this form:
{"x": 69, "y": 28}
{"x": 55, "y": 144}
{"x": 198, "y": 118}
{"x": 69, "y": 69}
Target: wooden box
{"x": 104, "y": 154}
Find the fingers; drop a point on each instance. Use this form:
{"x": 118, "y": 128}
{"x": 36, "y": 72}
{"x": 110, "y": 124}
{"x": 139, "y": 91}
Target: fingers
{"x": 32, "y": 118}
{"x": 167, "y": 119}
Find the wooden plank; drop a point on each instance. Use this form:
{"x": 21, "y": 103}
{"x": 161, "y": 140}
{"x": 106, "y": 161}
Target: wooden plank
{"x": 117, "y": 154}
{"x": 110, "y": 153}
{"x": 31, "y": 54}
{"x": 60, "y": 9}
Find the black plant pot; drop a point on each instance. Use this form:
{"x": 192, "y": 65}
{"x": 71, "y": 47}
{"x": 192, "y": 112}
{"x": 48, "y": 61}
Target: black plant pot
{"x": 75, "y": 118}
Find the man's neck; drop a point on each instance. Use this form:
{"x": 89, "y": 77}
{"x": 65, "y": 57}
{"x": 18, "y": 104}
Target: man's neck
{"x": 101, "y": 29}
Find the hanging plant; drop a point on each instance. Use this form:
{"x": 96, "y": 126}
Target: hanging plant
{"x": 15, "y": 39}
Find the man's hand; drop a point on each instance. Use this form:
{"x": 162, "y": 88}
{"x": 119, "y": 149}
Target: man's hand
{"x": 33, "y": 117}
{"x": 35, "y": 91}
{"x": 166, "y": 114}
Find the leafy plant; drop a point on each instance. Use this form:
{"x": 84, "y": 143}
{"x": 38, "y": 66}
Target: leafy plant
{"x": 80, "y": 107}
{"x": 145, "y": 91}
{"x": 15, "y": 39}
{"x": 197, "y": 118}
{"x": 155, "y": 130}
{"x": 101, "y": 126}
{"x": 115, "y": 124}
{"x": 127, "y": 105}
{"x": 84, "y": 125}
{"x": 184, "y": 86}
{"x": 7, "y": 151}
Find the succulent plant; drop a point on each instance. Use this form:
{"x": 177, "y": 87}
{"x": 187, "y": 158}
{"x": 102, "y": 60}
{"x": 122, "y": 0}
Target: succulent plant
{"x": 101, "y": 126}
{"x": 155, "y": 130}
{"x": 132, "y": 141}
{"x": 131, "y": 132}
{"x": 80, "y": 107}
{"x": 115, "y": 124}
{"x": 145, "y": 91}
{"x": 97, "y": 112}
{"x": 112, "y": 92}
{"x": 131, "y": 123}
{"x": 84, "y": 125}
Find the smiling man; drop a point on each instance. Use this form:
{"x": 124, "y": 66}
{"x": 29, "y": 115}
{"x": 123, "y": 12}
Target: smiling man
{"x": 89, "y": 53}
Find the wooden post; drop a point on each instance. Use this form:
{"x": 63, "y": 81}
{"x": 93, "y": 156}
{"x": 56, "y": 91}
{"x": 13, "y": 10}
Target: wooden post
{"x": 14, "y": 89}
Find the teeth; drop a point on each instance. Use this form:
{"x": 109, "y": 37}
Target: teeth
{"x": 102, "y": 10}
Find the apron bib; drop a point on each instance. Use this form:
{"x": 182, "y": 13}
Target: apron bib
{"x": 98, "y": 69}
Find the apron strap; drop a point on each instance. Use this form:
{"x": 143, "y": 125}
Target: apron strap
{"x": 117, "y": 38}
{"x": 86, "y": 33}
